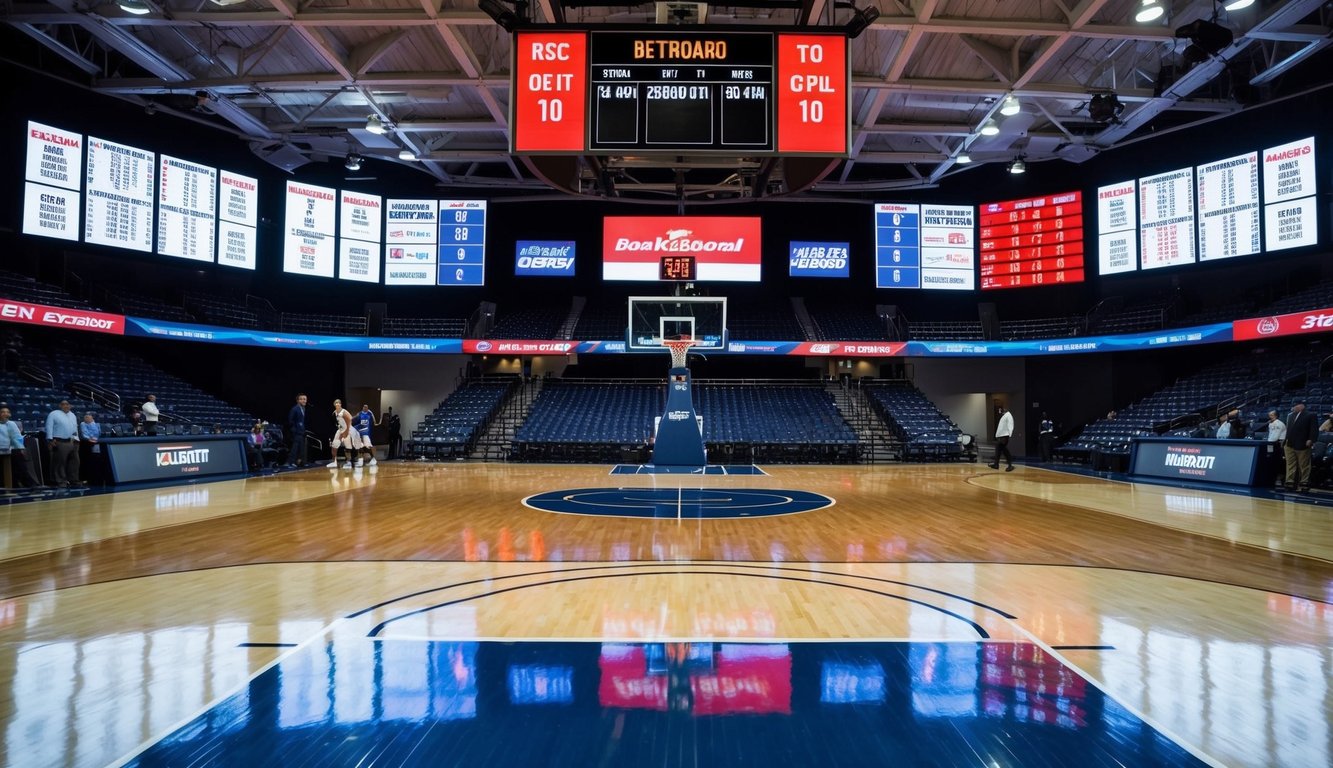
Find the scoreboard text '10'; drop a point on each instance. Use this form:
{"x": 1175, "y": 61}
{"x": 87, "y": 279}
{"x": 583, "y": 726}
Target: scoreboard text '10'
{"x": 551, "y": 91}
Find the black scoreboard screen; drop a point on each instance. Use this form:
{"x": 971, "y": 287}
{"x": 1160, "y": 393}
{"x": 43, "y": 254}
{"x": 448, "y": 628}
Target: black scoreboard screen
{"x": 680, "y": 91}
{"x": 677, "y": 268}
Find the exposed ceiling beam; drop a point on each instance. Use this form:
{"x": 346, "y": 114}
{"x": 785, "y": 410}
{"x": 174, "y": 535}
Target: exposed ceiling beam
{"x": 364, "y": 56}
{"x": 1079, "y": 18}
{"x": 996, "y": 58}
{"x": 58, "y": 47}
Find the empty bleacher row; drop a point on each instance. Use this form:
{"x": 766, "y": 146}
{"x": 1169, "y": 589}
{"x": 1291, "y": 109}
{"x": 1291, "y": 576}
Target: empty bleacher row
{"x": 926, "y": 432}
{"x": 451, "y": 429}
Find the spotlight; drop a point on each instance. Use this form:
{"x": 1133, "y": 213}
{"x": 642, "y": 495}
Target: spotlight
{"x": 507, "y": 19}
{"x": 407, "y": 155}
{"x": 1105, "y": 108}
{"x": 1151, "y": 10}
{"x": 861, "y": 21}
{"x": 990, "y": 128}
{"x": 353, "y": 162}
{"x": 963, "y": 158}
{"x": 1208, "y": 37}
{"x": 1237, "y": 5}
{"x": 1010, "y": 106}
{"x": 375, "y": 125}
{"x": 136, "y": 7}
{"x": 1018, "y": 166}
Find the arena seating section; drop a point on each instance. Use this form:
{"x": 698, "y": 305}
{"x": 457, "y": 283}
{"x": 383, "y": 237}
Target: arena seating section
{"x": 95, "y": 377}
{"x": 451, "y": 429}
{"x": 927, "y": 434}
{"x": 23, "y": 288}
{"x": 536, "y": 322}
{"x": 743, "y": 421}
{"x": 760, "y": 322}
{"x": 842, "y": 323}
{"x": 425, "y": 327}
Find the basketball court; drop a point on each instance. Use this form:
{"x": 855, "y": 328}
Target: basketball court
{"x": 429, "y": 614}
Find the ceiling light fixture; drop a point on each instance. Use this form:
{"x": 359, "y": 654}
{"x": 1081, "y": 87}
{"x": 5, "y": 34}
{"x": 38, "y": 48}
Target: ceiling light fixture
{"x": 1011, "y": 106}
{"x": 375, "y": 125}
{"x": 353, "y": 162}
{"x": 1151, "y": 10}
{"x": 1237, "y": 5}
{"x": 1018, "y": 166}
{"x": 990, "y": 128}
{"x": 407, "y": 155}
{"x": 963, "y": 158}
{"x": 861, "y": 21}
{"x": 136, "y": 7}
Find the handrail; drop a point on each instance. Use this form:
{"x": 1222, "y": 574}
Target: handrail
{"x": 39, "y": 375}
{"x": 97, "y": 393}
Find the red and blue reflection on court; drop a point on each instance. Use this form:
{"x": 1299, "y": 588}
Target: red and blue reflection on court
{"x": 418, "y": 703}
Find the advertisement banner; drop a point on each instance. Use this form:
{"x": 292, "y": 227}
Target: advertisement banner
{"x": 725, "y": 248}
{"x": 59, "y": 317}
{"x": 1314, "y": 321}
{"x": 1232, "y": 462}
{"x": 818, "y": 259}
{"x": 544, "y": 258}
{"x": 136, "y": 460}
{"x": 519, "y": 347}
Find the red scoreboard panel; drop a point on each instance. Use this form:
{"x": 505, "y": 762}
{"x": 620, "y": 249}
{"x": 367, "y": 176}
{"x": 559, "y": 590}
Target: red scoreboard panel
{"x": 679, "y": 90}
{"x": 1036, "y": 241}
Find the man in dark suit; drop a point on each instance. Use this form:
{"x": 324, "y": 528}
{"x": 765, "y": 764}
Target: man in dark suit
{"x": 1302, "y": 431}
{"x": 296, "y": 452}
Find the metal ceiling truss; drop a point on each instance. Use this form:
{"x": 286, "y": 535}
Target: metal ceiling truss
{"x": 265, "y": 105}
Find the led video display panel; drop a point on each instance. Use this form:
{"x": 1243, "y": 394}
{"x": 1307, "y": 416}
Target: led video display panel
{"x": 1031, "y": 242}
{"x": 360, "y": 227}
{"x": 187, "y": 203}
{"x": 807, "y": 259}
{"x": 705, "y": 248}
{"x": 308, "y": 239}
{"x": 410, "y": 234}
{"x": 462, "y": 243}
{"x": 925, "y": 246}
{"x": 1117, "y": 228}
{"x": 1228, "y": 201}
{"x": 120, "y": 184}
{"x": 1291, "y": 218}
{"x": 1166, "y": 219}
{"x": 238, "y": 217}
{"x": 53, "y": 182}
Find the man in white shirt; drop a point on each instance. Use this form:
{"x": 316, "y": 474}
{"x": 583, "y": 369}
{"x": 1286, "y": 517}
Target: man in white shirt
{"x": 62, "y": 433}
{"x": 1003, "y": 431}
{"x": 150, "y": 415}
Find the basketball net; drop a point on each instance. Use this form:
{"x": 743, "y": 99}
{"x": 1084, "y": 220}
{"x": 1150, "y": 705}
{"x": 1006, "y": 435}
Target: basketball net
{"x": 679, "y": 349}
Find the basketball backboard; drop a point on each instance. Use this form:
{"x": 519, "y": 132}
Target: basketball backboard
{"x": 653, "y": 319}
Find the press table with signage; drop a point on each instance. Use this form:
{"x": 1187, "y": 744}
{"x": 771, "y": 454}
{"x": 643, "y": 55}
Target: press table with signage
{"x": 1202, "y": 460}
{"x": 188, "y": 457}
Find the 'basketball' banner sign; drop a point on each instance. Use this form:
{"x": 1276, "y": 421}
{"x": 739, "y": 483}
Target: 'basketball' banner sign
{"x": 724, "y": 248}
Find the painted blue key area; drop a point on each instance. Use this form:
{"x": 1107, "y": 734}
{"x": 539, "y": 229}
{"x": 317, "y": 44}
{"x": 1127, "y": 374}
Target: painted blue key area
{"x": 700, "y": 503}
{"x": 710, "y": 469}
{"x": 417, "y": 703}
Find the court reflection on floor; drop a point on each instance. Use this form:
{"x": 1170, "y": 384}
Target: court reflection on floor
{"x": 406, "y": 702}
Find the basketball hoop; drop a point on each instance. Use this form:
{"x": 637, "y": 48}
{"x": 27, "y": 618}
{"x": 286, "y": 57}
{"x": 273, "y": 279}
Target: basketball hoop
{"x": 679, "y": 349}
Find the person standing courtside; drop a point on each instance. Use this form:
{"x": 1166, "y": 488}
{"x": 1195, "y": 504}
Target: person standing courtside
{"x": 1046, "y": 438}
{"x": 1301, "y": 434}
{"x": 90, "y": 432}
{"x": 62, "y": 432}
{"x": 1003, "y": 431}
{"x": 296, "y": 432}
{"x": 395, "y": 434}
{"x": 150, "y": 415}
{"x": 11, "y": 442}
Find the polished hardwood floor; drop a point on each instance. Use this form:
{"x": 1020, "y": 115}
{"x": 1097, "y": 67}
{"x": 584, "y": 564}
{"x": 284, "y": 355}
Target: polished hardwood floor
{"x": 122, "y": 616}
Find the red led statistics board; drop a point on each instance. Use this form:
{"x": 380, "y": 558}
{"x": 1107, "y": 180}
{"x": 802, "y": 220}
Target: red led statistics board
{"x": 1032, "y": 242}
{"x": 812, "y": 94}
{"x": 550, "y": 91}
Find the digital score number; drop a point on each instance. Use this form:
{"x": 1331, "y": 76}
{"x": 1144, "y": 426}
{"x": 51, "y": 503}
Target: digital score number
{"x": 677, "y": 268}
{"x": 676, "y": 91}
{"x": 1032, "y": 242}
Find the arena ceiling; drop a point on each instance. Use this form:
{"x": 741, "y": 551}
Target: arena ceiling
{"x": 299, "y": 78}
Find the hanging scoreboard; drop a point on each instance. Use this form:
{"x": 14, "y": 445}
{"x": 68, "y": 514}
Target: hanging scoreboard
{"x": 462, "y": 243}
{"x": 678, "y": 90}
{"x": 1037, "y": 241}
